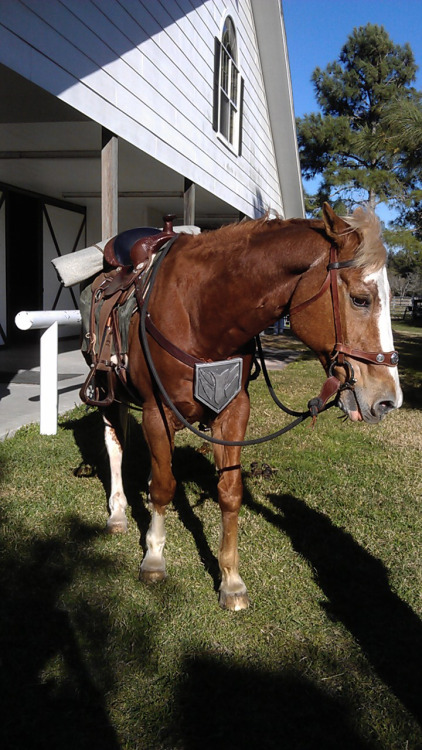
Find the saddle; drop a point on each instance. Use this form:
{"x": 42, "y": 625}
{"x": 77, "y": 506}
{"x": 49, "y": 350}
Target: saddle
{"x": 128, "y": 257}
{"x": 136, "y": 246}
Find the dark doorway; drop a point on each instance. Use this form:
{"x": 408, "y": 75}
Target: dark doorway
{"x": 23, "y": 260}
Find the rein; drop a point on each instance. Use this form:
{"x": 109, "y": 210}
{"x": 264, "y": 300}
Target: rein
{"x": 315, "y": 406}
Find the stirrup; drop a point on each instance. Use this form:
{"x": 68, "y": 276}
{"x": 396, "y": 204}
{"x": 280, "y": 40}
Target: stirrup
{"x": 89, "y": 390}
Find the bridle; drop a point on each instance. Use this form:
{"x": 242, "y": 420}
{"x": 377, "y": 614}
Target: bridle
{"x": 338, "y": 358}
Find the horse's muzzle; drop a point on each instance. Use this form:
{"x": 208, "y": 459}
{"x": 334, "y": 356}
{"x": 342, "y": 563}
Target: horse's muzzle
{"x": 357, "y": 408}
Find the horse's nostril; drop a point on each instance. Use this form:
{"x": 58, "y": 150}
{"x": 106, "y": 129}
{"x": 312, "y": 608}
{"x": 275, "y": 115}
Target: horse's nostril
{"x": 381, "y": 408}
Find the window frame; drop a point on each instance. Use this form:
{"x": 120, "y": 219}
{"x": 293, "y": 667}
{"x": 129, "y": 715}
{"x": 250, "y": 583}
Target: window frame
{"x": 228, "y": 89}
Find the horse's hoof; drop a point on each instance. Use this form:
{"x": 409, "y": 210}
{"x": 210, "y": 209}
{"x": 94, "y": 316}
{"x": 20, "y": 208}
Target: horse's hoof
{"x": 234, "y": 602}
{"x": 117, "y": 526}
{"x": 152, "y": 576}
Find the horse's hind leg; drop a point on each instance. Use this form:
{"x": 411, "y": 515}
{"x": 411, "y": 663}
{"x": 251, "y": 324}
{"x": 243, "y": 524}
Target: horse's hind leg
{"x": 115, "y": 425}
{"x": 231, "y": 425}
{"x": 162, "y": 486}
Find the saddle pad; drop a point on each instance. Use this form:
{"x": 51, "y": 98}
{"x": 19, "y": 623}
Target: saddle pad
{"x": 125, "y": 313}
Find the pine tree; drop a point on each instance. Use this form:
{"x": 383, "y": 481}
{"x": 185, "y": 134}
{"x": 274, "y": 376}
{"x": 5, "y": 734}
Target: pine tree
{"x": 348, "y": 143}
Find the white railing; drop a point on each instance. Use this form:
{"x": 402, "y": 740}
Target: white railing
{"x": 50, "y": 320}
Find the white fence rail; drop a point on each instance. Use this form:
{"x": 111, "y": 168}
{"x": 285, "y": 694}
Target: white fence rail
{"x": 50, "y": 320}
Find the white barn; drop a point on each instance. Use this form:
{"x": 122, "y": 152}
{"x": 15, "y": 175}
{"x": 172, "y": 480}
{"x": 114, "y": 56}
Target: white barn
{"x": 113, "y": 113}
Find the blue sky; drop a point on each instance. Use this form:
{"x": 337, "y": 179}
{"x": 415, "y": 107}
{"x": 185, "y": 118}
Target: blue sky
{"x": 317, "y": 29}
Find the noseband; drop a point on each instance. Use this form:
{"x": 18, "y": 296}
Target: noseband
{"x": 390, "y": 359}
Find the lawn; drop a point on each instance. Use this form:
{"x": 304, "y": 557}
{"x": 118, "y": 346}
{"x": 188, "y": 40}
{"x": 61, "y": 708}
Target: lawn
{"x": 330, "y": 652}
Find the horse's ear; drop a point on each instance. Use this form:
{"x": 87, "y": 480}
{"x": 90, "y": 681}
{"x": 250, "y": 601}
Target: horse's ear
{"x": 334, "y": 225}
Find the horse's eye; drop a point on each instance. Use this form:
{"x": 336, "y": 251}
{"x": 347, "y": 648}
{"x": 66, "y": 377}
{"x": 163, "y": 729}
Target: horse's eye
{"x": 361, "y": 302}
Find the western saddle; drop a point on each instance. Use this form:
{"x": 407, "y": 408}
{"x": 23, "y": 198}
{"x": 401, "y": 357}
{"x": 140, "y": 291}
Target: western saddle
{"x": 128, "y": 258}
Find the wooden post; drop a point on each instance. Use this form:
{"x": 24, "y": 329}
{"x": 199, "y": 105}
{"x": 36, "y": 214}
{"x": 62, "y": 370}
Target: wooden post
{"x": 109, "y": 184}
{"x": 189, "y": 203}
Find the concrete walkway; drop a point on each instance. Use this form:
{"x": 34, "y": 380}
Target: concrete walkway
{"x": 20, "y": 383}
{"x": 20, "y": 380}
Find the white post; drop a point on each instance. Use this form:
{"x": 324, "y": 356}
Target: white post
{"x": 48, "y": 380}
{"x": 44, "y": 318}
{"x": 49, "y": 319}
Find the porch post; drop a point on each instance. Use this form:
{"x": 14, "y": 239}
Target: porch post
{"x": 109, "y": 184}
{"x": 189, "y": 203}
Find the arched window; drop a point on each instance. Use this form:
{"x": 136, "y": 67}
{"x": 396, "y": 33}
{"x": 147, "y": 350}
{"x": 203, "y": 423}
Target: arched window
{"x": 228, "y": 87}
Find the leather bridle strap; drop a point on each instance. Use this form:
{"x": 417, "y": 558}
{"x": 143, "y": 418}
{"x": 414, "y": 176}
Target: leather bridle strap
{"x": 390, "y": 359}
{"x": 377, "y": 358}
{"x": 304, "y": 305}
{"x": 334, "y": 266}
{"x": 330, "y": 280}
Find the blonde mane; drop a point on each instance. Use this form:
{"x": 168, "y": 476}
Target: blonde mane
{"x": 371, "y": 253}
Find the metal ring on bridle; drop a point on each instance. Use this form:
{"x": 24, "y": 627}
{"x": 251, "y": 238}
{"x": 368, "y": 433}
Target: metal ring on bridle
{"x": 350, "y": 379}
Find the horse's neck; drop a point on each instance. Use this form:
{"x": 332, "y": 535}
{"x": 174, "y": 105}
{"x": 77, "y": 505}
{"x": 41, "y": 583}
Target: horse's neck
{"x": 252, "y": 289}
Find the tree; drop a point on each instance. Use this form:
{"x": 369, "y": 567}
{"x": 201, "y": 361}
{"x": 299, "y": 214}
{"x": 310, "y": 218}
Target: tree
{"x": 348, "y": 142}
{"x": 402, "y": 120}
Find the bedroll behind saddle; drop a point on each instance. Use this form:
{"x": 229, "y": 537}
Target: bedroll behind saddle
{"x": 108, "y": 304}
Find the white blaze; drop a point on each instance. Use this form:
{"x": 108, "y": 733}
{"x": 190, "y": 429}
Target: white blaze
{"x": 384, "y": 324}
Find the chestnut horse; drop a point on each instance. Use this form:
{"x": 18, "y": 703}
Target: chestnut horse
{"x": 214, "y": 292}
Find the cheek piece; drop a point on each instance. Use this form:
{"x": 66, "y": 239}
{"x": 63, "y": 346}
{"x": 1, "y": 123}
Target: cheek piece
{"x": 340, "y": 350}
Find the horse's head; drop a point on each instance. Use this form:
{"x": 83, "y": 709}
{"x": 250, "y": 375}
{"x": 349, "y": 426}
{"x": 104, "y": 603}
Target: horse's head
{"x": 348, "y": 323}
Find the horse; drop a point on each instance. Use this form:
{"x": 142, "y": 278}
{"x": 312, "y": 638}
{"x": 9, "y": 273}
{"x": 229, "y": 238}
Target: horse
{"x": 213, "y": 294}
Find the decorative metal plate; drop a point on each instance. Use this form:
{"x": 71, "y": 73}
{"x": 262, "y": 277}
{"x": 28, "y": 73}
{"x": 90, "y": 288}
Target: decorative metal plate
{"x": 217, "y": 383}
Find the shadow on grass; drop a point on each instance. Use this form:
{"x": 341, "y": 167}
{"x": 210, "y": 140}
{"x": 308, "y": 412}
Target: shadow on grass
{"x": 359, "y": 595}
{"x": 56, "y": 674}
{"x": 49, "y": 697}
{"x": 222, "y": 705}
{"x": 57, "y": 671}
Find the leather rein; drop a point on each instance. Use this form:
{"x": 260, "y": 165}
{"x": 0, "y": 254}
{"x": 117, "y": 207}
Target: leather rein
{"x": 146, "y": 325}
{"x": 316, "y": 405}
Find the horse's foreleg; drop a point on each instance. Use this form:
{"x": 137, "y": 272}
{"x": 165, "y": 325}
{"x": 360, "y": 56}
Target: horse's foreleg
{"x": 230, "y": 426}
{"x": 162, "y": 485}
{"x": 115, "y": 425}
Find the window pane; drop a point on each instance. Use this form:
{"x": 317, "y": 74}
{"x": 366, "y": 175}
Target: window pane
{"x": 232, "y": 125}
{"x": 233, "y": 87}
{"x": 225, "y": 65}
{"x": 224, "y": 116}
{"x": 229, "y": 38}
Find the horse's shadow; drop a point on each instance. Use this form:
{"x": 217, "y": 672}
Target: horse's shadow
{"x": 358, "y": 594}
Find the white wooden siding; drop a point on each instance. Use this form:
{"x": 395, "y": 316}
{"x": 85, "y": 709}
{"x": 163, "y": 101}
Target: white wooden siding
{"x": 145, "y": 71}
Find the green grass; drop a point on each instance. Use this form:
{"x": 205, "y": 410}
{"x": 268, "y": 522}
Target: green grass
{"x": 328, "y": 655}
